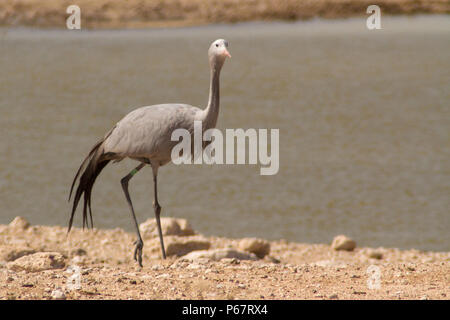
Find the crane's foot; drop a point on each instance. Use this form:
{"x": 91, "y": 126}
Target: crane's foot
{"x": 138, "y": 251}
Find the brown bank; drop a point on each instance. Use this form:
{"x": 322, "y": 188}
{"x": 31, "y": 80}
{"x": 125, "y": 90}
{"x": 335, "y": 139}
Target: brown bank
{"x": 156, "y": 13}
{"x": 42, "y": 262}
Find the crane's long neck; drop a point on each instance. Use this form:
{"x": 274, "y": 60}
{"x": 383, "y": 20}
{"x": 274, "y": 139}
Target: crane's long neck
{"x": 212, "y": 109}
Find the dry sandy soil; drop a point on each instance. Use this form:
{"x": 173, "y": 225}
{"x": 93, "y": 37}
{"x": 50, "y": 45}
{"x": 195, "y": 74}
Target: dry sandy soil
{"x": 158, "y": 13}
{"x": 39, "y": 262}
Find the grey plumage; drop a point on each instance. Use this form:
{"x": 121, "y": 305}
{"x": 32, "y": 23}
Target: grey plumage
{"x": 145, "y": 135}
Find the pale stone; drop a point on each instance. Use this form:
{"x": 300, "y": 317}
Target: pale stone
{"x": 342, "y": 242}
{"x": 38, "y": 262}
{"x": 179, "y": 246}
{"x": 58, "y": 294}
{"x": 219, "y": 254}
{"x": 375, "y": 254}
{"x": 19, "y": 223}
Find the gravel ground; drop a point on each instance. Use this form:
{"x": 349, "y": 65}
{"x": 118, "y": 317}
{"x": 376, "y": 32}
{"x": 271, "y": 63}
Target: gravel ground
{"x": 43, "y": 262}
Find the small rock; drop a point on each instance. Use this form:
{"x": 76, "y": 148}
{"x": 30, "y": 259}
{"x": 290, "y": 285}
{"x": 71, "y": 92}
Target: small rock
{"x": 274, "y": 259}
{"x": 231, "y": 261}
{"x": 79, "y": 260}
{"x": 58, "y": 294}
{"x": 333, "y": 296}
{"x": 157, "y": 267}
{"x": 375, "y": 254}
{"x": 179, "y": 246}
{"x": 219, "y": 254}
{"x": 169, "y": 227}
{"x": 411, "y": 267}
{"x": 202, "y": 261}
{"x": 19, "y": 223}
{"x": 27, "y": 285}
{"x": 79, "y": 252}
{"x": 342, "y": 242}
{"x": 257, "y": 246}
{"x": 330, "y": 263}
{"x": 38, "y": 262}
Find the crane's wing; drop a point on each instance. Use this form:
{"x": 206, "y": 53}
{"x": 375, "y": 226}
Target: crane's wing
{"x": 146, "y": 132}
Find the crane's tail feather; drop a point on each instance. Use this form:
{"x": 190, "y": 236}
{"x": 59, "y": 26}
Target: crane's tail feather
{"x": 88, "y": 172}
{"x": 83, "y": 164}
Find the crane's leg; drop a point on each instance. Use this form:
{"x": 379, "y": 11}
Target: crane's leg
{"x": 157, "y": 208}
{"x": 139, "y": 243}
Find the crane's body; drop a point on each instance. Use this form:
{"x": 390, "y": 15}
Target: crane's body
{"x": 145, "y": 135}
{"x": 145, "y": 132}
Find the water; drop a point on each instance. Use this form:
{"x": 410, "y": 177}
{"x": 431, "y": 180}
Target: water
{"x": 363, "y": 116}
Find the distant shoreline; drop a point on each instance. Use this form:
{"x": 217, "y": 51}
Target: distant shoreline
{"x": 131, "y": 14}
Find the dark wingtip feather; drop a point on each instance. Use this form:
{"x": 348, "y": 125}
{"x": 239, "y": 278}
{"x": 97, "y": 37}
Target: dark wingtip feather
{"x": 84, "y": 188}
{"x": 74, "y": 208}
{"x": 89, "y": 156}
{"x": 92, "y": 165}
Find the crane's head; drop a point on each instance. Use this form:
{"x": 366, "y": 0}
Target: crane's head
{"x": 218, "y": 52}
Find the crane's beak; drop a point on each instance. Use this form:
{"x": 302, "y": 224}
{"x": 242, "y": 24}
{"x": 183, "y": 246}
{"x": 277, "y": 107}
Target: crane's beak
{"x": 226, "y": 53}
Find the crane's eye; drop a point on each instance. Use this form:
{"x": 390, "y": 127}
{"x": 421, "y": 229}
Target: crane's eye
{"x": 217, "y": 45}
